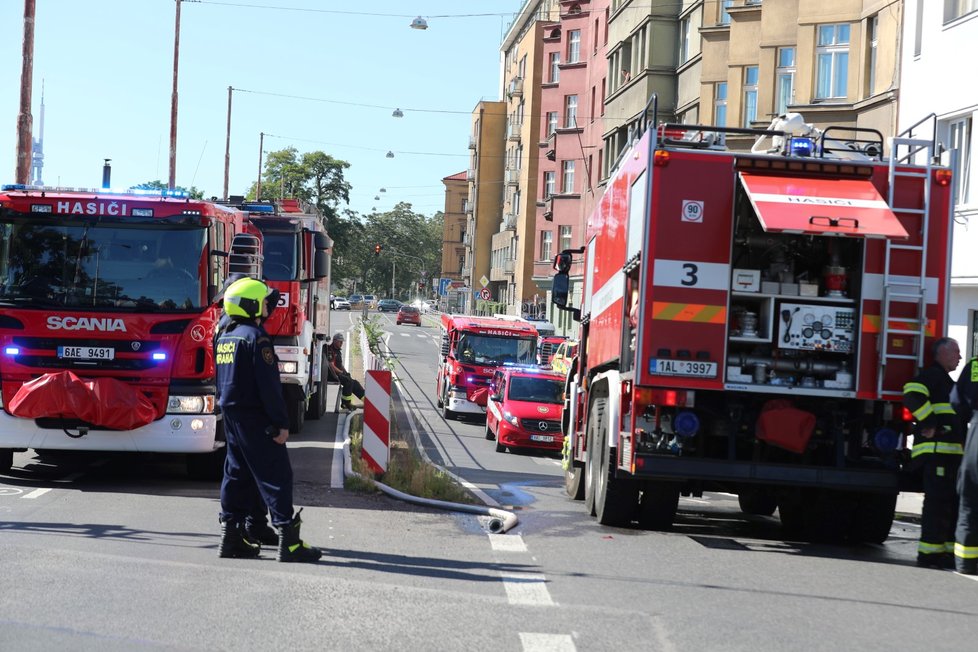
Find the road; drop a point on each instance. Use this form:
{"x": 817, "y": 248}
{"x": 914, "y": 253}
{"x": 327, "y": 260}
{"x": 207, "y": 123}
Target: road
{"x": 114, "y": 552}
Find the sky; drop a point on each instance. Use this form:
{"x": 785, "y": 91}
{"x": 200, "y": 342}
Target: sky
{"x": 107, "y": 71}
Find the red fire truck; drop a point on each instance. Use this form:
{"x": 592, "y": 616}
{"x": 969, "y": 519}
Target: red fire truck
{"x": 296, "y": 261}
{"x": 748, "y": 321}
{"x": 471, "y": 349}
{"x": 108, "y": 314}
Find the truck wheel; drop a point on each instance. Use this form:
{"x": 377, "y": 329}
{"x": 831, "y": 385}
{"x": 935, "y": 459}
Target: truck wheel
{"x": 791, "y": 510}
{"x": 658, "y": 504}
{"x": 615, "y": 499}
{"x": 829, "y": 515}
{"x": 873, "y": 518}
{"x": 590, "y": 457}
{"x": 574, "y": 482}
{"x": 206, "y": 466}
{"x": 757, "y": 501}
{"x": 6, "y": 459}
{"x": 317, "y": 402}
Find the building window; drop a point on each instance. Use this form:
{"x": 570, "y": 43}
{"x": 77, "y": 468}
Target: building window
{"x": 565, "y": 237}
{"x": 684, "y": 36}
{"x": 549, "y": 184}
{"x": 832, "y": 55}
{"x": 567, "y": 184}
{"x": 954, "y": 9}
{"x": 724, "y": 15}
{"x": 918, "y": 37}
{"x": 461, "y": 263}
{"x": 959, "y": 138}
{"x": 720, "y": 105}
{"x": 872, "y": 45}
{"x": 546, "y": 244}
{"x": 785, "y": 79}
{"x": 574, "y": 46}
{"x": 551, "y": 122}
{"x": 554, "y": 67}
{"x": 750, "y": 95}
{"x": 570, "y": 111}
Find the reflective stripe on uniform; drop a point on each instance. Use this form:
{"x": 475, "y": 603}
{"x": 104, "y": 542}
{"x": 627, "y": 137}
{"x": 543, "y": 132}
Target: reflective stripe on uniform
{"x": 965, "y": 552}
{"x": 941, "y": 447}
{"x": 943, "y": 408}
{"x": 923, "y": 411}
{"x": 916, "y": 387}
{"x": 930, "y": 548}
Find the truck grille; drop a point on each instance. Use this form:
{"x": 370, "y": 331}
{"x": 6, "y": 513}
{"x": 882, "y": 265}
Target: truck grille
{"x": 42, "y": 352}
{"x": 541, "y": 425}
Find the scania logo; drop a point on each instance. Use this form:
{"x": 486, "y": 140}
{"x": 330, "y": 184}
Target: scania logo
{"x": 106, "y": 324}
{"x": 543, "y": 426}
{"x": 135, "y": 345}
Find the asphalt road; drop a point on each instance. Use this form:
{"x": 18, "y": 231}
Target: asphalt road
{"x": 118, "y": 552}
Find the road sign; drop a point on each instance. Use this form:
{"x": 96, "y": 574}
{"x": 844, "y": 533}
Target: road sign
{"x": 443, "y": 285}
{"x": 484, "y": 281}
{"x": 485, "y": 294}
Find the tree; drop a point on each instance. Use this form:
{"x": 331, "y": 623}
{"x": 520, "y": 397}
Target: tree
{"x": 194, "y": 192}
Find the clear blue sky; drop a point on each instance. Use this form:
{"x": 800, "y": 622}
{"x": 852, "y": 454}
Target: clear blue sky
{"x": 107, "y": 71}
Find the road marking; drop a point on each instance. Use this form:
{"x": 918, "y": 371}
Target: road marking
{"x": 405, "y": 334}
{"x": 527, "y": 589}
{"x": 10, "y": 491}
{"x": 507, "y": 542}
{"x": 37, "y": 493}
{"x": 533, "y": 642}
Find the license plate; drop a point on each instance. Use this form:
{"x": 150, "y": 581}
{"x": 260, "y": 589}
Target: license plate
{"x": 86, "y": 352}
{"x": 542, "y": 438}
{"x": 682, "y": 368}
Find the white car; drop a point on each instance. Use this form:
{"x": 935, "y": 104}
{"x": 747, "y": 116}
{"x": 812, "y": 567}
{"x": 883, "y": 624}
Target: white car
{"x": 340, "y": 303}
{"x": 423, "y": 306}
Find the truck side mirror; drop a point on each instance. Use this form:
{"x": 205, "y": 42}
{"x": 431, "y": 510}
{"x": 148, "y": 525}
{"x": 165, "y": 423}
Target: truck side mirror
{"x": 321, "y": 264}
{"x": 560, "y": 289}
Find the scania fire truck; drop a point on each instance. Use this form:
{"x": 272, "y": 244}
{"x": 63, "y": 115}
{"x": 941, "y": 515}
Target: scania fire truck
{"x": 748, "y": 320}
{"x": 296, "y": 261}
{"x": 471, "y": 349}
{"x": 107, "y": 317}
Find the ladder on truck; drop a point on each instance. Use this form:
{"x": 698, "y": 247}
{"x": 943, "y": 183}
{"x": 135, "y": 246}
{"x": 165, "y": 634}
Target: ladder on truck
{"x": 906, "y": 288}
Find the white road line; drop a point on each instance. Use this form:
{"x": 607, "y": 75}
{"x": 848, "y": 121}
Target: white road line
{"x": 336, "y": 477}
{"x": 405, "y": 334}
{"x": 507, "y": 543}
{"x": 528, "y": 589}
{"x": 533, "y": 642}
{"x": 37, "y": 493}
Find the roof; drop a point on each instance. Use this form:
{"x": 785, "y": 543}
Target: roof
{"x": 458, "y": 176}
{"x": 489, "y": 324}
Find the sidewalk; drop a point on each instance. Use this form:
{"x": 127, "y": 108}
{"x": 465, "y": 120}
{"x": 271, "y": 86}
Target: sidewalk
{"x": 909, "y": 505}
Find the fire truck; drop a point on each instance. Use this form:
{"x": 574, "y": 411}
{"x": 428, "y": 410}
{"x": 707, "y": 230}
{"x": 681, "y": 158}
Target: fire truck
{"x": 748, "y": 321}
{"x": 296, "y": 261}
{"x": 471, "y": 350}
{"x": 108, "y": 313}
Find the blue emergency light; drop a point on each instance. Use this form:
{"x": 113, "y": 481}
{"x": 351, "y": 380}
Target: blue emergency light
{"x": 12, "y": 350}
{"x": 158, "y": 355}
{"x": 258, "y": 208}
{"x": 801, "y": 146}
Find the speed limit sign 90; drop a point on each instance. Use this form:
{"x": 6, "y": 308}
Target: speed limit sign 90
{"x": 692, "y": 211}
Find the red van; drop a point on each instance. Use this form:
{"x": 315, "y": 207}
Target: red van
{"x": 525, "y": 408}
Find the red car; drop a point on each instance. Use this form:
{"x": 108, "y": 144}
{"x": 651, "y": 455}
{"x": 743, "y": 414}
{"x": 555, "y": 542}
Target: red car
{"x": 525, "y": 408}
{"x": 408, "y": 315}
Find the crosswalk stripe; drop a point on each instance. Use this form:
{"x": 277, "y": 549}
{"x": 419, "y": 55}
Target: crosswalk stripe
{"x": 534, "y": 642}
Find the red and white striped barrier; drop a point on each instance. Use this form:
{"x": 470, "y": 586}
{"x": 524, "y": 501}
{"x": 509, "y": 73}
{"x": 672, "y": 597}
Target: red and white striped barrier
{"x": 375, "y": 450}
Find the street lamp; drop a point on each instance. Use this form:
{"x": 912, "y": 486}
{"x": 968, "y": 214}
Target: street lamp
{"x": 419, "y": 23}
{"x": 390, "y": 154}
{"x": 398, "y": 113}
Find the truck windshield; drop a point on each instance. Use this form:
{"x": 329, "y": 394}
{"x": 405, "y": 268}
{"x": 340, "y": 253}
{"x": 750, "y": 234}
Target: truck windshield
{"x": 536, "y": 390}
{"x": 279, "y": 250}
{"x": 486, "y": 349}
{"x": 46, "y": 263}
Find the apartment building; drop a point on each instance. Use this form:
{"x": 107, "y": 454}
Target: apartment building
{"x": 940, "y": 101}
{"x": 456, "y": 222}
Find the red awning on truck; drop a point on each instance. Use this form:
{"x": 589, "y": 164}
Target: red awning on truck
{"x": 814, "y": 206}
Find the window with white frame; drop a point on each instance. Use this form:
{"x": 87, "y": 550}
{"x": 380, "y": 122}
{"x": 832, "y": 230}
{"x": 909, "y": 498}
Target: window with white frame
{"x": 959, "y": 138}
{"x": 954, "y": 9}
{"x": 574, "y": 46}
{"x": 720, "y": 105}
{"x": 570, "y": 111}
{"x": 784, "y": 79}
{"x": 554, "y": 67}
{"x": 551, "y": 122}
{"x": 750, "y": 95}
{"x": 872, "y": 45}
{"x": 567, "y": 182}
{"x": 546, "y": 244}
{"x": 832, "y": 60}
{"x": 549, "y": 183}
{"x": 724, "y": 14}
{"x": 565, "y": 237}
{"x": 684, "y": 40}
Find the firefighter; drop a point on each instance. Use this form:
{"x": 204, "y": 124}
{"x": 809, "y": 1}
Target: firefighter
{"x": 936, "y": 452}
{"x": 256, "y": 427}
{"x": 337, "y": 372}
{"x": 966, "y": 534}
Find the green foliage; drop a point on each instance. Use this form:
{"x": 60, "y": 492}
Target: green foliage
{"x": 194, "y": 192}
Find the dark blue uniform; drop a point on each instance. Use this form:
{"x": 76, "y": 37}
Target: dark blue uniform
{"x": 966, "y": 535}
{"x": 250, "y": 395}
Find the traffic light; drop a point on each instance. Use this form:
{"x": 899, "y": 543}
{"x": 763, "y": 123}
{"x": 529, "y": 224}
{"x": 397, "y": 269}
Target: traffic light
{"x": 377, "y": 249}
{"x": 421, "y": 287}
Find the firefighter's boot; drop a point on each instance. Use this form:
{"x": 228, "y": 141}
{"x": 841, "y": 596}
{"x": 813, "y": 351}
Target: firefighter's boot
{"x": 291, "y": 548}
{"x": 259, "y": 531}
{"x": 233, "y": 543}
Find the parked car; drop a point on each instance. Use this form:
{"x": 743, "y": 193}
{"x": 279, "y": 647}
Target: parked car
{"x": 370, "y": 300}
{"x": 340, "y": 303}
{"x": 525, "y": 408}
{"x": 563, "y": 357}
{"x": 408, "y": 315}
{"x": 356, "y": 301}
{"x": 388, "y": 305}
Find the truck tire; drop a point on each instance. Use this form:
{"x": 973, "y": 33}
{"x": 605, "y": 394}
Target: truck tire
{"x": 615, "y": 499}
{"x": 595, "y": 414}
{"x": 873, "y": 517}
{"x": 490, "y": 435}
{"x": 829, "y": 515}
{"x": 574, "y": 482}
{"x": 6, "y": 459}
{"x": 758, "y": 501}
{"x": 658, "y": 504}
{"x": 206, "y": 467}
{"x": 791, "y": 511}
{"x": 317, "y": 402}
{"x": 295, "y": 404}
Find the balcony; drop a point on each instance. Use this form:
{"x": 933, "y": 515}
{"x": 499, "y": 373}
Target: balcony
{"x": 509, "y": 266}
{"x": 515, "y": 87}
{"x": 470, "y": 174}
{"x": 512, "y": 177}
{"x": 467, "y": 239}
{"x": 548, "y": 208}
{"x": 513, "y": 132}
{"x": 509, "y": 222}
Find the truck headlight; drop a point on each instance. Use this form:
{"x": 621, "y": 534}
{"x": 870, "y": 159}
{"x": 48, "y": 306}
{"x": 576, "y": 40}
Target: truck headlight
{"x": 190, "y": 405}
{"x": 289, "y": 367}
{"x": 512, "y": 418}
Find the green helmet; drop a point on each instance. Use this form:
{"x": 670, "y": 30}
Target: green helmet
{"x": 244, "y": 298}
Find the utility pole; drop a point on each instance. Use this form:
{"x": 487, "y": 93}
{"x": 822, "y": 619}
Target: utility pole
{"x": 261, "y": 147}
{"x": 227, "y": 147}
{"x": 25, "y": 123}
{"x": 173, "y": 102}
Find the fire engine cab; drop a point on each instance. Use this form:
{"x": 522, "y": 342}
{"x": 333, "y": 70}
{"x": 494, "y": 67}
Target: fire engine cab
{"x": 748, "y": 321}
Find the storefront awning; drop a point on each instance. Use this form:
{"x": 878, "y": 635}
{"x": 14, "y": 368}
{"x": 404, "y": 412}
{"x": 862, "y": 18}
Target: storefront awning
{"x": 834, "y": 207}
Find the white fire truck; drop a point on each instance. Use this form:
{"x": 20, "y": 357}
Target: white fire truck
{"x": 748, "y": 321}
